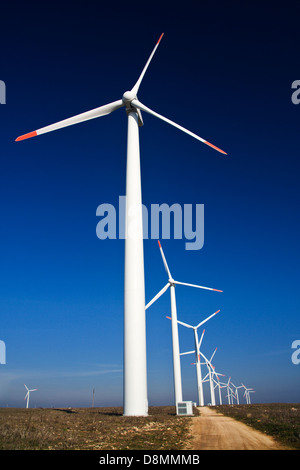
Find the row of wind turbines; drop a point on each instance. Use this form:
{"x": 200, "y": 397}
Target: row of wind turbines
{"x": 212, "y": 377}
{"x": 135, "y": 400}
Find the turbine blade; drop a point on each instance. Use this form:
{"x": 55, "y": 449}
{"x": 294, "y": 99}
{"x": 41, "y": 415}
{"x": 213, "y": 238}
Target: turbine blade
{"x": 194, "y": 285}
{"x": 181, "y": 323}
{"x": 164, "y": 260}
{"x": 157, "y": 295}
{"x": 188, "y": 352}
{"x": 206, "y": 319}
{"x": 184, "y": 324}
{"x": 201, "y": 339}
{"x": 94, "y": 113}
{"x": 25, "y": 387}
{"x": 213, "y": 354}
{"x": 141, "y": 106}
{"x": 137, "y": 85}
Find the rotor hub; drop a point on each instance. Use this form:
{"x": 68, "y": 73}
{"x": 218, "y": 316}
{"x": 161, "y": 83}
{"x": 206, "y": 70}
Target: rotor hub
{"x": 128, "y": 96}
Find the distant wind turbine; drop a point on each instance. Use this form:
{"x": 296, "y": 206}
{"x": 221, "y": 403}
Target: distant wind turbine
{"x": 220, "y": 386}
{"x": 247, "y": 394}
{"x": 209, "y": 376}
{"x": 135, "y": 370}
{"x": 230, "y": 393}
{"x": 236, "y": 392}
{"x": 28, "y": 394}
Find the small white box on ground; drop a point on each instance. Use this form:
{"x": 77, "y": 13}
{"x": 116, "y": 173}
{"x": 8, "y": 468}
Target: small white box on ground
{"x": 184, "y": 408}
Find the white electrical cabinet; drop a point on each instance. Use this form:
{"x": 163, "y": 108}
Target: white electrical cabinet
{"x": 184, "y": 408}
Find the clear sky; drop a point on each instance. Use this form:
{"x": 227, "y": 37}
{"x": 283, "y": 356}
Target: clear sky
{"x": 223, "y": 70}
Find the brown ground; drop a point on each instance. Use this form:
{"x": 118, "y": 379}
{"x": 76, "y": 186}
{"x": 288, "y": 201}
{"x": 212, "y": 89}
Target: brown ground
{"x": 214, "y": 431}
{"x": 91, "y": 429}
{"x": 107, "y": 429}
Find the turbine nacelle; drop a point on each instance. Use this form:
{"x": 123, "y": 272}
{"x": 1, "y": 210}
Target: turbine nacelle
{"x": 128, "y": 96}
{"x": 127, "y": 99}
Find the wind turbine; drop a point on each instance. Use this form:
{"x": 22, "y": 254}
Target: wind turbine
{"x": 236, "y": 392}
{"x": 250, "y": 390}
{"x": 210, "y": 374}
{"x": 28, "y": 394}
{"x": 135, "y": 369}
{"x": 216, "y": 380}
{"x": 247, "y": 394}
{"x": 230, "y": 393}
{"x": 220, "y": 385}
{"x": 175, "y": 340}
{"x": 197, "y": 353}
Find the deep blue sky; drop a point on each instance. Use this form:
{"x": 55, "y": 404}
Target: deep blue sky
{"x": 224, "y": 71}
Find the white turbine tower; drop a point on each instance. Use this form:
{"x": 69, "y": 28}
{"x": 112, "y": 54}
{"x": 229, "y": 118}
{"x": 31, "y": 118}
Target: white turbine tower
{"x": 228, "y": 391}
{"x": 135, "y": 373}
{"x": 250, "y": 390}
{"x": 197, "y": 353}
{"x": 176, "y": 354}
{"x": 28, "y": 394}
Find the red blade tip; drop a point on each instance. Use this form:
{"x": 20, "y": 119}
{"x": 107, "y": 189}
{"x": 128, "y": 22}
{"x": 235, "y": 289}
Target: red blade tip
{"x": 217, "y": 290}
{"x": 159, "y": 244}
{"x": 26, "y": 136}
{"x": 160, "y": 38}
{"x": 214, "y": 147}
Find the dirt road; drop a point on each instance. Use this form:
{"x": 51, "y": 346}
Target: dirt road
{"x": 214, "y": 431}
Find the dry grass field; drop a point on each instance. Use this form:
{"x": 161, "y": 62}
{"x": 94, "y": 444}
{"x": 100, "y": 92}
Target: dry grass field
{"x": 91, "y": 429}
{"x": 106, "y": 428}
{"x": 279, "y": 420}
